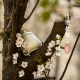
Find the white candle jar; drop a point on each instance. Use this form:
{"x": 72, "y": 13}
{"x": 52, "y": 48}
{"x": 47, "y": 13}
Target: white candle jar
{"x": 31, "y": 43}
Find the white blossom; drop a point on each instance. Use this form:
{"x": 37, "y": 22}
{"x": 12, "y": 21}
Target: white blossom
{"x": 51, "y": 44}
{"x": 39, "y": 73}
{"x": 49, "y": 64}
{"x": 18, "y": 44}
{"x": 18, "y": 35}
{"x": 57, "y": 48}
{"x": 58, "y": 36}
{"x": 49, "y": 49}
{"x": 48, "y": 53}
{"x": 67, "y": 28}
{"x": 67, "y": 22}
{"x": 24, "y": 64}
{"x": 21, "y": 73}
{"x": 41, "y": 67}
{"x": 34, "y": 73}
{"x": 57, "y": 42}
{"x": 19, "y": 40}
{"x": 57, "y": 53}
{"x": 14, "y": 61}
{"x": 15, "y": 56}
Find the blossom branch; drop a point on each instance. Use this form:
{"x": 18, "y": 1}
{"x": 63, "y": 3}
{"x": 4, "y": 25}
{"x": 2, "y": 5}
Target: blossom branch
{"x": 69, "y": 58}
{"x": 32, "y": 11}
{"x": 58, "y": 28}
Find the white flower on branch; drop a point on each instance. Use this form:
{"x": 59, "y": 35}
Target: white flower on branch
{"x": 57, "y": 42}
{"x": 48, "y": 53}
{"x": 24, "y": 64}
{"x": 49, "y": 49}
{"x": 67, "y": 22}
{"x": 51, "y": 44}
{"x": 58, "y": 36}
{"x": 49, "y": 65}
{"x": 34, "y": 73}
{"x": 15, "y": 56}
{"x": 57, "y": 53}
{"x": 18, "y": 44}
{"x": 14, "y": 61}
{"x": 20, "y": 40}
{"x": 41, "y": 67}
{"x": 39, "y": 73}
{"x": 18, "y": 35}
{"x": 57, "y": 48}
{"x": 21, "y": 73}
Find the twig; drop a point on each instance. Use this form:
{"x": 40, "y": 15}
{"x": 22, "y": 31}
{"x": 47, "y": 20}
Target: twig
{"x": 32, "y": 11}
{"x": 69, "y": 58}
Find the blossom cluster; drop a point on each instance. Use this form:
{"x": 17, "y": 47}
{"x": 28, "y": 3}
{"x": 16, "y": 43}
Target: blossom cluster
{"x": 43, "y": 69}
{"x": 57, "y": 48}
{"x": 24, "y": 64}
{"x": 49, "y": 50}
{"x": 19, "y": 40}
{"x": 15, "y": 56}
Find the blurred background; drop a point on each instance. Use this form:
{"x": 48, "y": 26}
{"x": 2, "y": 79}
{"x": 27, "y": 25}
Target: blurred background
{"x": 41, "y": 23}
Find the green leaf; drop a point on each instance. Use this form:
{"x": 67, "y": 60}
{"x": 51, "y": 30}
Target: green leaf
{"x": 44, "y": 3}
{"x": 55, "y": 4}
{"x": 45, "y": 16}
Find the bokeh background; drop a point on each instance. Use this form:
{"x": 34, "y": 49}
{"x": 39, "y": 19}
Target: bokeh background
{"x": 41, "y": 23}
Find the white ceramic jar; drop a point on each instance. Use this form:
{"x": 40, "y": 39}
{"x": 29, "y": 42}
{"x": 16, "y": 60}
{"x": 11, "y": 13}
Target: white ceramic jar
{"x": 31, "y": 43}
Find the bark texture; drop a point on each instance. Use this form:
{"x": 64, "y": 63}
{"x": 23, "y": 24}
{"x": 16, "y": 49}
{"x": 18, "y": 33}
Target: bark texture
{"x": 14, "y": 11}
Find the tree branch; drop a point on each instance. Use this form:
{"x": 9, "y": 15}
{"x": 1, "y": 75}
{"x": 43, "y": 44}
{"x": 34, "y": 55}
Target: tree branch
{"x": 17, "y": 6}
{"x": 15, "y": 11}
{"x": 69, "y": 58}
{"x": 58, "y": 28}
{"x": 32, "y": 11}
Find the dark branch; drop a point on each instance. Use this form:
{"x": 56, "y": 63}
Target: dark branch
{"x": 15, "y": 11}
{"x": 17, "y": 6}
{"x": 58, "y": 28}
{"x": 32, "y": 11}
{"x": 69, "y": 58}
